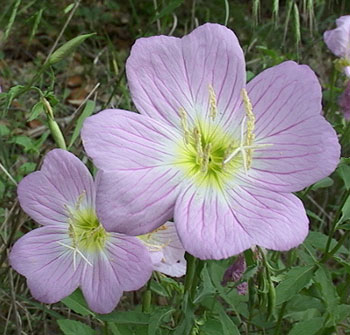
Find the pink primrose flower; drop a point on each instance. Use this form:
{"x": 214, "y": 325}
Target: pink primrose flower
{"x": 166, "y": 250}
{"x": 72, "y": 249}
{"x": 220, "y": 157}
{"x": 338, "y": 41}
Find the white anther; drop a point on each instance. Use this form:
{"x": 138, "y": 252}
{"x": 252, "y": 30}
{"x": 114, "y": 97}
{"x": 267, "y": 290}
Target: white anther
{"x": 75, "y": 251}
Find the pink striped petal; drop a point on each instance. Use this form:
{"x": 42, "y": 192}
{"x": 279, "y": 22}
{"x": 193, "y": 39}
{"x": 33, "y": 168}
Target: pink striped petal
{"x": 47, "y": 265}
{"x": 216, "y": 224}
{"x": 121, "y": 140}
{"x": 138, "y": 184}
{"x": 166, "y": 250}
{"x": 136, "y": 202}
{"x": 286, "y": 101}
{"x": 167, "y": 73}
{"x": 62, "y": 180}
{"x": 124, "y": 265}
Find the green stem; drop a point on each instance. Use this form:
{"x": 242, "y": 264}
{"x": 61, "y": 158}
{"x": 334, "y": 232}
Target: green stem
{"x": 334, "y": 226}
{"x": 147, "y": 298}
{"x": 339, "y": 244}
{"x": 190, "y": 272}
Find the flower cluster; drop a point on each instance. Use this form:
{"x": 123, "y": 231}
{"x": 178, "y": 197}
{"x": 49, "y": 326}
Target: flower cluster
{"x": 218, "y": 156}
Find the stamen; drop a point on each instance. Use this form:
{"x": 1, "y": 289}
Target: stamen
{"x": 206, "y": 156}
{"x": 80, "y": 200}
{"x": 184, "y": 125}
{"x": 250, "y": 136}
{"x": 198, "y": 142}
{"x": 246, "y": 145}
{"x": 212, "y": 103}
{"x": 75, "y": 251}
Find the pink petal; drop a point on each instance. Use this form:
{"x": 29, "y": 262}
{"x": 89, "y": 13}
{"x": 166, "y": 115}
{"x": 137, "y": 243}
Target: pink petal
{"x": 169, "y": 253}
{"x": 122, "y": 140}
{"x": 207, "y": 225}
{"x": 47, "y": 265}
{"x": 338, "y": 40}
{"x": 124, "y": 265}
{"x": 216, "y": 224}
{"x": 136, "y": 202}
{"x": 167, "y": 73}
{"x": 286, "y": 101}
{"x": 138, "y": 185}
{"x": 62, "y": 179}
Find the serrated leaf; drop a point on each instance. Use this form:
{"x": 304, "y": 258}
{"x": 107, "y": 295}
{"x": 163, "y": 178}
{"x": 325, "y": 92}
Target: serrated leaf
{"x": 228, "y": 326}
{"x": 88, "y": 110}
{"x": 37, "y": 109}
{"x": 72, "y": 327}
{"x": 156, "y": 318}
{"x": 308, "y": 327}
{"x": 67, "y": 48}
{"x": 327, "y": 288}
{"x": 295, "y": 280}
{"x": 77, "y": 303}
{"x": 319, "y": 241}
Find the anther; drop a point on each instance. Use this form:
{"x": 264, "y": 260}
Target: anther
{"x": 206, "y": 156}
{"x": 184, "y": 124}
{"x": 212, "y": 103}
{"x": 198, "y": 142}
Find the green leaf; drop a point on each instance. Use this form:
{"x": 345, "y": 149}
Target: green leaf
{"x": 323, "y": 183}
{"x": 295, "y": 280}
{"x": 77, "y": 303}
{"x": 228, "y": 326}
{"x": 67, "y": 48}
{"x": 113, "y": 328}
{"x": 13, "y": 93}
{"x": 344, "y": 172}
{"x": 24, "y": 141}
{"x": 159, "y": 289}
{"x": 132, "y": 317}
{"x": 308, "y": 327}
{"x": 37, "y": 109}
{"x": 345, "y": 211}
{"x": 4, "y": 130}
{"x": 27, "y": 168}
{"x": 168, "y": 9}
{"x": 88, "y": 110}
{"x": 72, "y": 327}
{"x": 156, "y": 319}
{"x": 328, "y": 292}
{"x": 319, "y": 240}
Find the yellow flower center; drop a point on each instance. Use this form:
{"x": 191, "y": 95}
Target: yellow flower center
{"x": 210, "y": 155}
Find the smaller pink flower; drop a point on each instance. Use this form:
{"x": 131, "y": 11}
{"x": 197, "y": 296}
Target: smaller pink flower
{"x": 166, "y": 250}
{"x": 234, "y": 273}
{"x": 72, "y": 249}
{"x": 338, "y": 41}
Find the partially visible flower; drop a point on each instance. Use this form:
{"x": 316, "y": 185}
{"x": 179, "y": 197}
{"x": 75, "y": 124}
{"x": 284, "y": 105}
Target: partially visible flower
{"x": 344, "y": 101}
{"x": 72, "y": 249}
{"x": 338, "y": 41}
{"x": 220, "y": 157}
{"x": 166, "y": 250}
{"x": 234, "y": 274}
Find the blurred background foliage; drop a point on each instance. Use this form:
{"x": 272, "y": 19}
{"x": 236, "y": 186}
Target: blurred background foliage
{"x": 303, "y": 291}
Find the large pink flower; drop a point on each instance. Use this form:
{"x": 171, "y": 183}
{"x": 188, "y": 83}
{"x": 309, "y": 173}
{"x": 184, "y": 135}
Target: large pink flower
{"x": 219, "y": 157}
{"x": 72, "y": 249}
